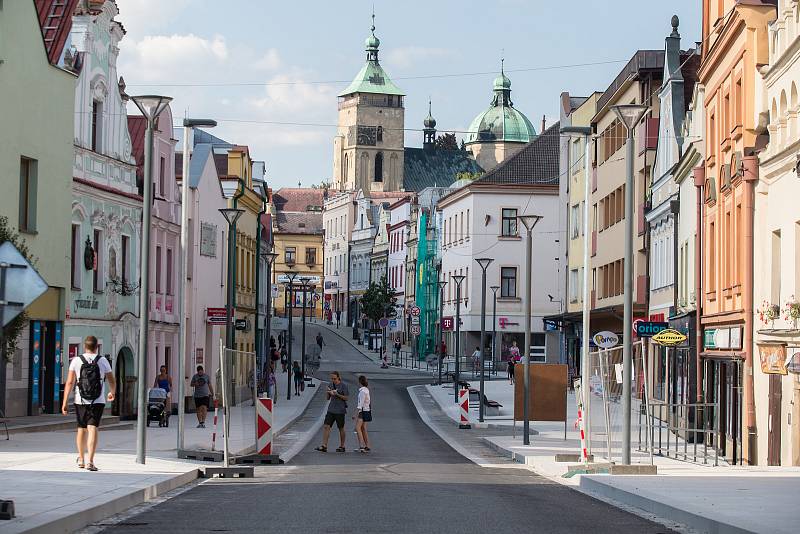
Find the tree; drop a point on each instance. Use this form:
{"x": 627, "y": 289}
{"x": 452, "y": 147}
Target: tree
{"x": 468, "y": 175}
{"x": 13, "y": 330}
{"x": 323, "y": 185}
{"x": 376, "y": 299}
{"x": 447, "y": 141}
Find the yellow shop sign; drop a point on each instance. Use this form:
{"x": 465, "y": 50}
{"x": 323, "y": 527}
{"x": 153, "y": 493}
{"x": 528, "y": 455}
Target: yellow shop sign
{"x": 669, "y": 337}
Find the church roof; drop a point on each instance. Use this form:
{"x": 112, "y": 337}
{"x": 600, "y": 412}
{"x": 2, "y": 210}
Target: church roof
{"x": 501, "y": 121}
{"x": 372, "y": 79}
{"x": 431, "y": 168}
{"x": 535, "y": 164}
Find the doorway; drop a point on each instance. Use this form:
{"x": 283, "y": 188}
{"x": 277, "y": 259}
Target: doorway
{"x": 774, "y": 421}
{"x": 123, "y": 403}
{"x": 44, "y": 391}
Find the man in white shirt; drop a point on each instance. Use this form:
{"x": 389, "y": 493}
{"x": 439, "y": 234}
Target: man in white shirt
{"x": 89, "y": 411}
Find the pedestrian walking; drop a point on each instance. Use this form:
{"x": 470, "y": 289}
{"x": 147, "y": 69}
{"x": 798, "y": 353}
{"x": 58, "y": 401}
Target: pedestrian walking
{"x": 91, "y": 373}
{"x": 476, "y": 358}
{"x": 514, "y": 352}
{"x": 363, "y": 414}
{"x": 397, "y": 347}
{"x": 284, "y": 359}
{"x": 298, "y": 377}
{"x": 164, "y": 381}
{"x": 510, "y": 368}
{"x": 203, "y": 392}
{"x": 320, "y": 341}
{"x": 338, "y": 317}
{"x": 338, "y": 394}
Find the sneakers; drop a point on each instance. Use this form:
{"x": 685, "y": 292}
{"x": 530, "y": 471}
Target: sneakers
{"x": 201, "y": 425}
{"x": 321, "y": 448}
{"x": 341, "y": 449}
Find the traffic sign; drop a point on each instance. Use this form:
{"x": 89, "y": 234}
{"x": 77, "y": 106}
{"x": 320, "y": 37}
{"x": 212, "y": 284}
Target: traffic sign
{"x": 22, "y": 284}
{"x": 415, "y": 319}
{"x": 648, "y": 328}
{"x": 316, "y": 297}
{"x": 669, "y": 337}
{"x": 415, "y": 330}
{"x": 415, "y": 311}
{"x": 217, "y": 316}
{"x": 383, "y": 322}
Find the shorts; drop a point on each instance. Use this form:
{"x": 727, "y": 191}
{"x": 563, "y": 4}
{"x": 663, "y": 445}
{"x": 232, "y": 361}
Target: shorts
{"x": 202, "y": 401}
{"x": 337, "y": 417}
{"x": 89, "y": 414}
{"x": 365, "y": 416}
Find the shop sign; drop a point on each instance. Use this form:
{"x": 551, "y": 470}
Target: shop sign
{"x": 216, "y": 316}
{"x": 669, "y": 337}
{"x": 648, "y": 328}
{"x": 773, "y": 359}
{"x": 723, "y": 338}
{"x": 447, "y": 323}
{"x": 242, "y": 325}
{"x": 605, "y": 339}
{"x": 505, "y": 321}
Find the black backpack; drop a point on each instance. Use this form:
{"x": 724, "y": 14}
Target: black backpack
{"x": 90, "y": 383}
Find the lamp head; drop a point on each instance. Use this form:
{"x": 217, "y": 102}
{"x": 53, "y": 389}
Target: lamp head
{"x": 484, "y": 262}
{"x": 629, "y": 114}
{"x": 529, "y": 221}
{"x": 231, "y": 214}
{"x": 197, "y": 123}
{"x": 151, "y": 106}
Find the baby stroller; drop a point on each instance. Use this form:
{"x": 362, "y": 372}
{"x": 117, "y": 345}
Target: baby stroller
{"x": 157, "y": 407}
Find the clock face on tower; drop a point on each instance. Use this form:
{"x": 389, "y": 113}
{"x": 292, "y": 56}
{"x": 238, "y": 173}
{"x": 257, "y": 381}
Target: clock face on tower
{"x": 367, "y": 135}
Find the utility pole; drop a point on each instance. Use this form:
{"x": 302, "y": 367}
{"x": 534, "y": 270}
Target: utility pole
{"x": 529, "y": 221}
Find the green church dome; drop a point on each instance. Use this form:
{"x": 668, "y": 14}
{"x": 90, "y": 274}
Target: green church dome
{"x": 501, "y": 121}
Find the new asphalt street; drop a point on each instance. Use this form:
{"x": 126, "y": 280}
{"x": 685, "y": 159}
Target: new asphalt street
{"x": 412, "y": 481}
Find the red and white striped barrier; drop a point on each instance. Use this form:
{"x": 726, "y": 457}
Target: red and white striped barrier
{"x": 214, "y": 434}
{"x": 264, "y": 416}
{"x": 580, "y": 422}
{"x": 463, "y": 403}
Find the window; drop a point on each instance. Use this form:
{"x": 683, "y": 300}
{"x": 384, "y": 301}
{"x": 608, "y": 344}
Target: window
{"x": 509, "y": 216}
{"x": 97, "y": 278}
{"x": 97, "y": 125}
{"x": 75, "y": 270}
{"x": 379, "y": 133}
{"x": 573, "y": 285}
{"x": 289, "y": 255}
{"x": 158, "y": 269}
{"x": 467, "y": 224}
{"x": 461, "y": 226}
{"x": 775, "y": 271}
{"x": 161, "y": 178}
{"x": 508, "y": 282}
{"x": 126, "y": 251}
{"x": 27, "y": 194}
{"x": 574, "y": 221}
{"x": 169, "y": 271}
{"x": 379, "y": 167}
{"x": 712, "y": 256}
{"x": 311, "y": 256}
{"x": 168, "y": 358}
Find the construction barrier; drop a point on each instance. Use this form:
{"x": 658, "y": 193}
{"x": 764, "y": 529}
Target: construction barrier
{"x": 264, "y": 429}
{"x": 463, "y": 403}
{"x": 214, "y": 433}
{"x": 580, "y": 422}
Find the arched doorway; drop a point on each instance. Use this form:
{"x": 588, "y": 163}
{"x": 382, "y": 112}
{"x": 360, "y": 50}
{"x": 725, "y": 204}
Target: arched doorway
{"x": 123, "y": 404}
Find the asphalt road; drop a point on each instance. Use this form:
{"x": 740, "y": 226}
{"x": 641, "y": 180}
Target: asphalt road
{"x": 412, "y": 481}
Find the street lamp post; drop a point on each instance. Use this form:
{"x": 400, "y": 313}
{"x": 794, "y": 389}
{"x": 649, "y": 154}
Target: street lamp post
{"x": 585, "y": 366}
{"x": 151, "y": 107}
{"x": 630, "y": 115}
{"x": 291, "y": 275}
{"x": 232, "y": 216}
{"x": 484, "y": 264}
{"x": 528, "y": 221}
{"x": 442, "y": 284}
{"x": 494, "y": 328}
{"x": 457, "y": 278}
{"x": 188, "y": 125}
{"x": 269, "y": 257}
{"x": 304, "y": 281}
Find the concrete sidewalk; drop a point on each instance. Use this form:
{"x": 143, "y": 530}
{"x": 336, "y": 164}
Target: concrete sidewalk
{"x": 703, "y": 497}
{"x": 38, "y": 471}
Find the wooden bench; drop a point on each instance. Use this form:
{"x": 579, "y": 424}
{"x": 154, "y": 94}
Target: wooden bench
{"x": 492, "y": 406}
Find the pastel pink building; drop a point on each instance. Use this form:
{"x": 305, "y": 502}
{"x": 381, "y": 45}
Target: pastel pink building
{"x": 165, "y": 233}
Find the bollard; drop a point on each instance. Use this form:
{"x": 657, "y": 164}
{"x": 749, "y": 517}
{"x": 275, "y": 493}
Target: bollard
{"x": 463, "y": 403}
{"x": 264, "y": 414}
{"x": 214, "y": 434}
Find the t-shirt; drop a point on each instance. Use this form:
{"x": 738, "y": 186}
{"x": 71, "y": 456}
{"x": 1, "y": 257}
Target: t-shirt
{"x": 338, "y": 405}
{"x": 200, "y": 383}
{"x": 364, "y": 400}
{"x": 105, "y": 367}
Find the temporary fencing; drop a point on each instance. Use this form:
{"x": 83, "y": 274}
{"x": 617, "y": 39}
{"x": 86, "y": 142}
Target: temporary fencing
{"x": 238, "y": 388}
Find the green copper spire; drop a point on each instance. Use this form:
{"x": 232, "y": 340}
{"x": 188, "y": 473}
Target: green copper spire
{"x": 372, "y": 78}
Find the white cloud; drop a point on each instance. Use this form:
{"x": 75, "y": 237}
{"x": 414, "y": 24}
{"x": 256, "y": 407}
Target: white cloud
{"x": 171, "y": 58}
{"x": 136, "y": 15}
{"x": 406, "y": 57}
{"x": 271, "y": 60}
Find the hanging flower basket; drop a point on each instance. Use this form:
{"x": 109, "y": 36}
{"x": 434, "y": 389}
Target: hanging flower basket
{"x": 791, "y": 310}
{"x": 768, "y": 312}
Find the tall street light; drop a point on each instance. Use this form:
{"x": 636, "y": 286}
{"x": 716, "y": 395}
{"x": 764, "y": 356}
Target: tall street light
{"x": 629, "y": 115}
{"x": 457, "y": 278}
{"x": 188, "y": 125}
{"x": 269, "y": 258}
{"x": 586, "y": 374}
{"x": 528, "y": 221}
{"x": 151, "y": 107}
{"x": 494, "y": 328}
{"x": 304, "y": 285}
{"x": 231, "y": 216}
{"x": 484, "y": 264}
{"x": 442, "y": 284}
{"x": 291, "y": 275}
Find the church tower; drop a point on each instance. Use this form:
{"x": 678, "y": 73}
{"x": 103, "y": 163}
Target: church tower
{"x": 368, "y": 147}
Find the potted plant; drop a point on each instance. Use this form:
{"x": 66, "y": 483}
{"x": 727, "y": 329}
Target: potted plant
{"x": 791, "y": 310}
{"x": 768, "y": 312}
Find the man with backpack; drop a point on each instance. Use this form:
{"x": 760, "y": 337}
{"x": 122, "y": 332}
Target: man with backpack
{"x": 90, "y": 372}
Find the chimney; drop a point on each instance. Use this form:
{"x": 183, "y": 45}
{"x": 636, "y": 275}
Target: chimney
{"x": 544, "y": 124}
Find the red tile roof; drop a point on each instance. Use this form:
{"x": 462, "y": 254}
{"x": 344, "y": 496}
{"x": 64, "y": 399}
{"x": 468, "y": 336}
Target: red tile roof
{"x": 136, "y": 127}
{"x": 298, "y": 198}
{"x": 55, "y": 23}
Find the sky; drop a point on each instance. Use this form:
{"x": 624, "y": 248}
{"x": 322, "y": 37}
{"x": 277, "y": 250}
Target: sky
{"x": 269, "y": 71}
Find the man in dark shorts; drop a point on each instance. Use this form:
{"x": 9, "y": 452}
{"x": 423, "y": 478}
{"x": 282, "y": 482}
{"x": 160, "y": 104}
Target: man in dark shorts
{"x": 89, "y": 411}
{"x": 203, "y": 392}
{"x": 337, "y": 409}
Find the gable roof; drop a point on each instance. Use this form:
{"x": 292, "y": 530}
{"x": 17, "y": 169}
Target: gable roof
{"x": 136, "y": 127}
{"x": 431, "y": 168}
{"x": 298, "y": 199}
{"x": 292, "y": 222}
{"x": 55, "y": 23}
{"x": 535, "y": 164}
